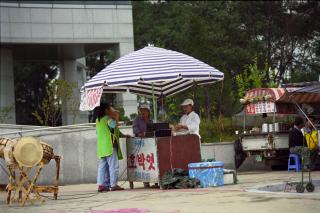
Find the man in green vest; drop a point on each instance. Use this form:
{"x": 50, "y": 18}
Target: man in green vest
{"x": 108, "y": 148}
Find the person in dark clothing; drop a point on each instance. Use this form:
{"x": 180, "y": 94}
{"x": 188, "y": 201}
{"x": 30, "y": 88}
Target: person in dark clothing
{"x": 296, "y": 141}
{"x": 295, "y": 134}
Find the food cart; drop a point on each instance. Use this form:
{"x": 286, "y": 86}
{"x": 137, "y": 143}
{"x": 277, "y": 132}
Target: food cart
{"x": 274, "y": 110}
{"x": 149, "y": 158}
{"x": 267, "y": 139}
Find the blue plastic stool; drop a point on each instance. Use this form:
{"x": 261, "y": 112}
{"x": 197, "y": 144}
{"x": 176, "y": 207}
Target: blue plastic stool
{"x": 296, "y": 162}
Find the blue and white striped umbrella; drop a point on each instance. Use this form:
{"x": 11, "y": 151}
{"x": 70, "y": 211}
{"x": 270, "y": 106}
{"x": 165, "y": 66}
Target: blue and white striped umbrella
{"x": 153, "y": 71}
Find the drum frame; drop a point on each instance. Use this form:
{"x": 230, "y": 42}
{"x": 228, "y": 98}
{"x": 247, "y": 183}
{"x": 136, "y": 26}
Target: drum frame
{"x": 22, "y": 187}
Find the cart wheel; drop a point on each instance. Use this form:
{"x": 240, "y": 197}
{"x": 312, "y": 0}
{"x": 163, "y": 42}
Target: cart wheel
{"x": 310, "y": 187}
{"x": 300, "y": 188}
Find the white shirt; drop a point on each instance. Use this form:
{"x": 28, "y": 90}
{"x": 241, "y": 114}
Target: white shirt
{"x": 192, "y": 121}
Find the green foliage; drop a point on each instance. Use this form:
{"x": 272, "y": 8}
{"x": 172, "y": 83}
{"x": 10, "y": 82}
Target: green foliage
{"x": 133, "y": 116}
{"x": 96, "y": 62}
{"x": 173, "y": 109}
{"x": 281, "y": 36}
{"x": 253, "y": 77}
{"x": 5, "y": 113}
{"x": 308, "y": 75}
{"x": 48, "y": 112}
{"x": 272, "y": 84}
{"x": 31, "y": 80}
{"x": 243, "y": 81}
{"x": 257, "y": 76}
{"x": 217, "y": 130}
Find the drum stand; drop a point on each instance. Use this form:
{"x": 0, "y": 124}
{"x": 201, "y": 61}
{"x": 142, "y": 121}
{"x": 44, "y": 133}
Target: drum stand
{"x": 55, "y": 187}
{"x": 22, "y": 188}
{"x": 23, "y": 185}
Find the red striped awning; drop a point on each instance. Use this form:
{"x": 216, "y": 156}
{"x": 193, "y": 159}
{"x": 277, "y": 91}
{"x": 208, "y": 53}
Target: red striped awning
{"x": 275, "y": 93}
{"x": 286, "y": 95}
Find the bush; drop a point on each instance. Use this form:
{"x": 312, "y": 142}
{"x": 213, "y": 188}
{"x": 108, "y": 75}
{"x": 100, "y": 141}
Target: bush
{"x": 216, "y": 130}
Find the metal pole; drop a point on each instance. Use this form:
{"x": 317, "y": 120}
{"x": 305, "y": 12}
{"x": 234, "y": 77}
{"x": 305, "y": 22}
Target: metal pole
{"x": 273, "y": 126}
{"x": 154, "y": 105}
{"x": 274, "y": 117}
{"x": 244, "y": 119}
{"x": 304, "y": 114}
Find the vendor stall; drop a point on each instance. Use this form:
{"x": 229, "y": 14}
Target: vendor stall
{"x": 157, "y": 73}
{"x": 149, "y": 158}
{"x": 266, "y": 138}
{"x": 274, "y": 110}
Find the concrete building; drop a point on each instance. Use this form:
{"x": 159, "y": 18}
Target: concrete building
{"x": 62, "y": 31}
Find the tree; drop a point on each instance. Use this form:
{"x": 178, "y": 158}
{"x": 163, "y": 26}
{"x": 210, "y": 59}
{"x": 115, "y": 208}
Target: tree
{"x": 286, "y": 31}
{"x": 281, "y": 35}
{"x": 96, "y": 62}
{"x": 48, "y": 112}
{"x": 31, "y": 80}
{"x": 197, "y": 29}
{"x": 252, "y": 77}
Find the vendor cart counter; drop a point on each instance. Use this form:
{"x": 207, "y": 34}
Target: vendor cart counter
{"x": 262, "y": 141}
{"x": 149, "y": 158}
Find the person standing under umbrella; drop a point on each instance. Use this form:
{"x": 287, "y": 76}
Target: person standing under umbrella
{"x": 190, "y": 121}
{"x": 140, "y": 128}
{"x": 108, "y": 148}
{"x": 140, "y": 122}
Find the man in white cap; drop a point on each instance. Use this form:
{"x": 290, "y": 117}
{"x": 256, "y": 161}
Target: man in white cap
{"x": 190, "y": 121}
{"x": 140, "y": 122}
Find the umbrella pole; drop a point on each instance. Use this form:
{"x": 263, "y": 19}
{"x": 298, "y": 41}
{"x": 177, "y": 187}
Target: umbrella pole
{"x": 154, "y": 105}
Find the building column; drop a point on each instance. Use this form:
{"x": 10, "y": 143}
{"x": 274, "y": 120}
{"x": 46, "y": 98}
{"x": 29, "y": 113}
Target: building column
{"x": 73, "y": 71}
{"x": 7, "y": 96}
{"x": 127, "y": 100}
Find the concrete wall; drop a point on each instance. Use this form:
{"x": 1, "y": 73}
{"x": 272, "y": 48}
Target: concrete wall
{"x": 79, "y": 160}
{"x": 128, "y": 100}
{"x": 65, "y": 23}
{"x": 74, "y": 72}
{"x": 222, "y": 151}
{"x": 62, "y": 31}
{"x": 77, "y": 149}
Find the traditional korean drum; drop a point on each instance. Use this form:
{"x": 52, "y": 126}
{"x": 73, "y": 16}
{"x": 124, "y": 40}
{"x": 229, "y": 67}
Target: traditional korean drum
{"x": 8, "y": 152}
{"x": 3, "y": 143}
{"x": 28, "y": 151}
{"x": 47, "y": 152}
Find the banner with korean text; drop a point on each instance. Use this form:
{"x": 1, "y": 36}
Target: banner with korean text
{"x": 142, "y": 160}
{"x": 261, "y": 107}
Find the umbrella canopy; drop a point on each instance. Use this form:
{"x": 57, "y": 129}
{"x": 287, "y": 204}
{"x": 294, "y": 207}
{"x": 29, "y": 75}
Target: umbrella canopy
{"x": 150, "y": 71}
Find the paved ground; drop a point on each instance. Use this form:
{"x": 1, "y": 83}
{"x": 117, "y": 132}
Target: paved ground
{"x": 232, "y": 198}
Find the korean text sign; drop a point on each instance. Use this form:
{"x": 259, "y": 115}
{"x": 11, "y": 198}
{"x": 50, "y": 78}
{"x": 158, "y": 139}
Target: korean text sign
{"x": 142, "y": 160}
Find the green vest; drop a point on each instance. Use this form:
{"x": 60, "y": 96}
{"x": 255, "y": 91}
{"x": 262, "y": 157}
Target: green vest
{"x": 104, "y": 140}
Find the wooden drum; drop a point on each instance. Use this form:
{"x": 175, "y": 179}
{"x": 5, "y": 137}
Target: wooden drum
{"x": 47, "y": 152}
{"x": 3, "y": 143}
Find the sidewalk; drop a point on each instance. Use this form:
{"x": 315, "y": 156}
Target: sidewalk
{"x": 232, "y": 198}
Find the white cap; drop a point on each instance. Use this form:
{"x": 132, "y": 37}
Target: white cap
{"x": 187, "y": 102}
{"x": 144, "y": 106}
